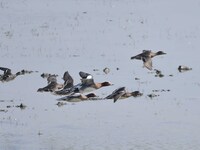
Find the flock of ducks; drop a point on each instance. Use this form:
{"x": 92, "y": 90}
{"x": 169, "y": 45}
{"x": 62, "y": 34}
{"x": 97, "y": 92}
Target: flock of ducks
{"x": 76, "y": 93}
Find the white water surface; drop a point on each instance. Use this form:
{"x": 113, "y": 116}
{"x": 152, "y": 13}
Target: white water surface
{"x": 57, "y": 36}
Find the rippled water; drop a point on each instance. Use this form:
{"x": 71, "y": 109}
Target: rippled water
{"x": 56, "y": 36}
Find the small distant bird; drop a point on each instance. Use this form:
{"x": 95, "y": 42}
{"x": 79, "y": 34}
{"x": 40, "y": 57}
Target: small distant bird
{"x": 106, "y": 70}
{"x": 77, "y": 97}
{"x": 121, "y": 93}
{"x": 182, "y": 68}
{"x": 85, "y": 75}
{"x": 46, "y": 75}
{"x": 146, "y": 56}
{"x": 8, "y": 75}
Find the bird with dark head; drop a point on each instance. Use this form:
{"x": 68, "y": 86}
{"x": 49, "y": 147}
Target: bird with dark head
{"x": 122, "y": 93}
{"x": 160, "y": 53}
{"x": 77, "y": 97}
{"x": 87, "y": 85}
{"x": 8, "y": 75}
{"x": 146, "y": 56}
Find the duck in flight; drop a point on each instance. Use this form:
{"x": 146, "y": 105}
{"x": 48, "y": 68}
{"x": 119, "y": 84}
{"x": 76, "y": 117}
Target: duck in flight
{"x": 146, "y": 56}
{"x": 87, "y": 85}
{"x": 52, "y": 85}
{"x": 77, "y": 97}
{"x": 8, "y": 75}
{"x": 122, "y": 93}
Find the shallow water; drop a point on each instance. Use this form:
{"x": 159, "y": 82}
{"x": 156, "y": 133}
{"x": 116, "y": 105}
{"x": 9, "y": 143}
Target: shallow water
{"x": 55, "y": 36}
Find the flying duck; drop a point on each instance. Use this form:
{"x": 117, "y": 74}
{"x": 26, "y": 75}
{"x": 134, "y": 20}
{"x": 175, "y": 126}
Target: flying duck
{"x": 146, "y": 56}
{"x": 8, "y": 75}
{"x": 87, "y": 85}
{"x": 77, "y": 97}
{"x": 52, "y": 85}
{"x": 121, "y": 93}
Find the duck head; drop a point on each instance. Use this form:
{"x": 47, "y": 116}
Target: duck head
{"x": 91, "y": 95}
{"x": 160, "y": 53}
{"x": 136, "y": 94}
{"x": 106, "y": 84}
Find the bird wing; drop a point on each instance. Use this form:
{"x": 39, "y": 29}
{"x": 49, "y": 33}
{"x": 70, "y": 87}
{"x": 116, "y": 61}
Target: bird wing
{"x": 70, "y": 97}
{"x": 139, "y": 56}
{"x": 65, "y": 91}
{"x": 116, "y": 94}
{"x": 6, "y": 71}
{"x": 118, "y": 90}
{"x": 48, "y": 88}
{"x": 147, "y": 62}
{"x": 85, "y": 75}
{"x": 145, "y": 53}
{"x": 68, "y": 80}
{"x": 116, "y": 97}
{"x": 67, "y": 77}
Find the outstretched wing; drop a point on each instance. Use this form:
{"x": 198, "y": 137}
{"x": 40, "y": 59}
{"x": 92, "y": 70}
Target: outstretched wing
{"x": 85, "y": 75}
{"x": 70, "y": 97}
{"x": 69, "y": 82}
{"x": 147, "y": 62}
{"x": 49, "y": 88}
{"x": 116, "y": 97}
{"x": 116, "y": 94}
{"x": 6, "y": 71}
{"x": 145, "y": 53}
